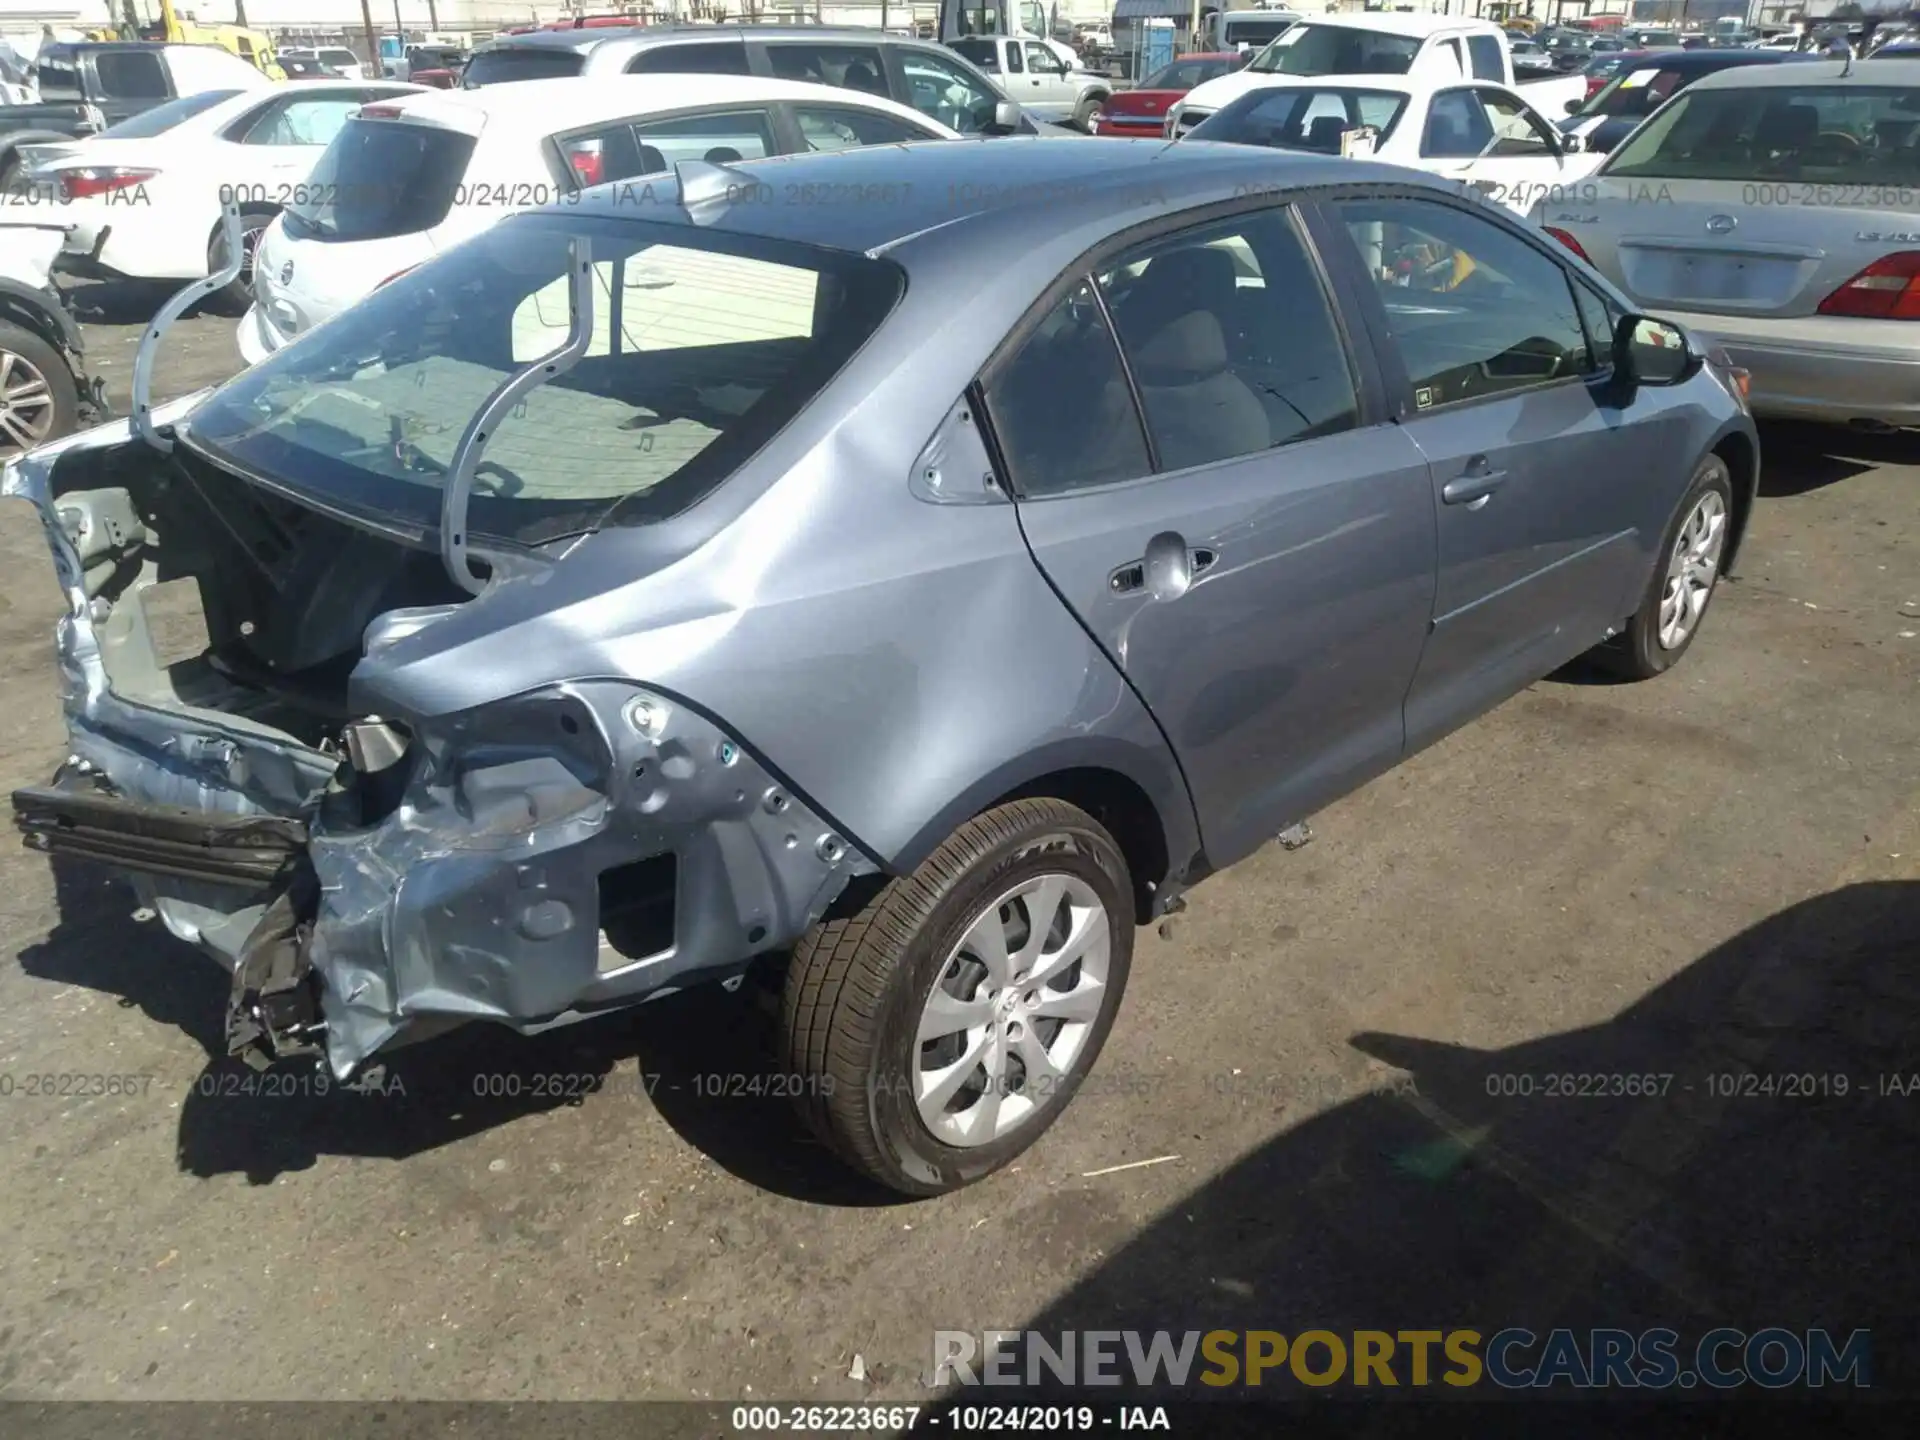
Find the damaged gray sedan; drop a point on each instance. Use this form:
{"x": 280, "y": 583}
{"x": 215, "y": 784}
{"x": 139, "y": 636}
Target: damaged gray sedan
{"x": 909, "y": 595}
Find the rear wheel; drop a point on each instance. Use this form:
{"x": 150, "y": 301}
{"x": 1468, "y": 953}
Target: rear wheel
{"x": 237, "y": 294}
{"x": 1083, "y": 113}
{"x": 1675, "y": 604}
{"x": 937, "y": 1033}
{"x": 39, "y": 399}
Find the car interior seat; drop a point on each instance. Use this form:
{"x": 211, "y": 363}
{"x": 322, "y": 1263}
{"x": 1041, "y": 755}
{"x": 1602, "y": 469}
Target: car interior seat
{"x": 859, "y": 76}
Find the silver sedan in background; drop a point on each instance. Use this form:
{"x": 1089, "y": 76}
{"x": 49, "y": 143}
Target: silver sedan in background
{"x": 1776, "y": 211}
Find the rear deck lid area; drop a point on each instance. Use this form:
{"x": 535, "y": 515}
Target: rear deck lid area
{"x": 1761, "y": 200}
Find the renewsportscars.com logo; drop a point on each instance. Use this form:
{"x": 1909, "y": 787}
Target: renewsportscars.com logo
{"x": 1774, "y": 1358}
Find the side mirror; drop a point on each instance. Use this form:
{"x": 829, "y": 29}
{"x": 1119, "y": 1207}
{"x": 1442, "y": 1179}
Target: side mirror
{"x": 1005, "y": 121}
{"x": 1651, "y": 352}
{"x": 1572, "y": 144}
{"x": 1574, "y": 107}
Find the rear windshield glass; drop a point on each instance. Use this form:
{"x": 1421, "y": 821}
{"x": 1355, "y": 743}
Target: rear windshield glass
{"x": 704, "y": 346}
{"x": 1255, "y": 32}
{"x": 1301, "y": 119}
{"x": 1840, "y": 135}
{"x": 984, "y": 53}
{"x": 1309, "y": 49}
{"x": 1187, "y": 74}
{"x": 1636, "y": 92}
{"x": 379, "y": 178}
{"x": 522, "y": 62}
{"x": 162, "y": 118}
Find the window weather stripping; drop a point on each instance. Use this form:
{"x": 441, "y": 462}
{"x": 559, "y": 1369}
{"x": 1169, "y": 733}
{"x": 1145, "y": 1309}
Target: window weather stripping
{"x": 511, "y": 391}
{"x": 185, "y": 300}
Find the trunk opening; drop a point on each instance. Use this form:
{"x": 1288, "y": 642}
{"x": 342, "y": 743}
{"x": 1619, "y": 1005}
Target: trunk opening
{"x": 213, "y": 594}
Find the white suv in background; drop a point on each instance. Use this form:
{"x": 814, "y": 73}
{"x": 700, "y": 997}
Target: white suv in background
{"x": 406, "y": 180}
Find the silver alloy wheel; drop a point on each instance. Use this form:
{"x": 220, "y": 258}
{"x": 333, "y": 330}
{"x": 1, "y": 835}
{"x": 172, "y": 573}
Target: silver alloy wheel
{"x": 1012, "y": 1009}
{"x": 26, "y": 405}
{"x": 1693, "y": 568}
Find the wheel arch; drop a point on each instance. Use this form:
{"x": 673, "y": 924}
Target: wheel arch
{"x": 1150, "y": 817}
{"x": 22, "y": 307}
{"x": 1740, "y": 452}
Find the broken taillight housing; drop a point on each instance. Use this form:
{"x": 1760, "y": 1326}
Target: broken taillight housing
{"x": 96, "y": 180}
{"x": 1567, "y": 240}
{"x": 1888, "y": 289}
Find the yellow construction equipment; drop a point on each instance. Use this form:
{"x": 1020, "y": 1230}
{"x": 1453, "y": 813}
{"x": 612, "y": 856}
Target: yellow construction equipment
{"x": 252, "y": 46}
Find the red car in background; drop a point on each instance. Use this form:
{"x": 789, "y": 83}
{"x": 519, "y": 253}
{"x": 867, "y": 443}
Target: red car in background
{"x": 1143, "y": 109}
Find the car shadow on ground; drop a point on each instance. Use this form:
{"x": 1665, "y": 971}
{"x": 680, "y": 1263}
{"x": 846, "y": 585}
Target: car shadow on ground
{"x": 1768, "y": 1182}
{"x": 704, "y": 1060}
{"x": 1796, "y": 458}
{"x": 116, "y": 302}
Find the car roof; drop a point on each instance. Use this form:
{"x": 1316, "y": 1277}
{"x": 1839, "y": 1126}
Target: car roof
{"x": 1720, "y": 59}
{"x": 587, "y": 39}
{"x": 214, "y": 116}
{"x": 907, "y": 195}
{"x": 1398, "y": 23}
{"x": 556, "y": 104}
{"x": 1880, "y": 74}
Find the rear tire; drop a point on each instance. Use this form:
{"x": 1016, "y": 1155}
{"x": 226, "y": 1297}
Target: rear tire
{"x": 1016, "y": 936}
{"x": 1684, "y": 580}
{"x": 236, "y": 296}
{"x": 1083, "y": 113}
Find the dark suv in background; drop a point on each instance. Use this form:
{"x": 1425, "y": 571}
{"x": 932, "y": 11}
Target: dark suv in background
{"x": 929, "y": 77}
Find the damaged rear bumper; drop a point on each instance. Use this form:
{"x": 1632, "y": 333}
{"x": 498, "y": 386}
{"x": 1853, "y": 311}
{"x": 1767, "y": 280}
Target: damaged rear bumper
{"x": 533, "y": 861}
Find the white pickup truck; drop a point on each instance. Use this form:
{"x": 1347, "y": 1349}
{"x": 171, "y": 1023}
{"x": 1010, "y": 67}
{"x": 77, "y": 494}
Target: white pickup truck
{"x": 1037, "y": 79}
{"x": 1430, "y": 47}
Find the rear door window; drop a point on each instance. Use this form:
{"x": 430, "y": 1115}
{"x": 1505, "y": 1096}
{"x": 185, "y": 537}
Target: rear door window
{"x": 852, "y": 67}
{"x": 709, "y": 57}
{"x": 522, "y": 62}
{"x": 378, "y": 179}
{"x": 842, "y": 127}
{"x": 725, "y": 138}
{"x": 131, "y": 75}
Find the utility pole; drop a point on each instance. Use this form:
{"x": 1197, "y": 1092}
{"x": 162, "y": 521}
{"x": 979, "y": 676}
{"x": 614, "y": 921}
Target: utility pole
{"x": 373, "y": 41}
{"x": 433, "y": 17}
{"x": 240, "y": 13}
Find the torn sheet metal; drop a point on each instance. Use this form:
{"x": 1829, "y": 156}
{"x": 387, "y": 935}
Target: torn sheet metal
{"x": 469, "y": 871}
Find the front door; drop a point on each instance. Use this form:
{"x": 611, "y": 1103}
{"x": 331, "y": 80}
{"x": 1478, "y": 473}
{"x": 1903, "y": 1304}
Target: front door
{"x": 1535, "y": 473}
{"x": 1256, "y": 553}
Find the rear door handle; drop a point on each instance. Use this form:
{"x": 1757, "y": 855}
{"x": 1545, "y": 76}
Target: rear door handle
{"x": 1475, "y": 485}
{"x": 1167, "y": 569}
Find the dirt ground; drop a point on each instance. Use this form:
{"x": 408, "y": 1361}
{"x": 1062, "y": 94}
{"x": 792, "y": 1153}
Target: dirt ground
{"x": 1715, "y": 872}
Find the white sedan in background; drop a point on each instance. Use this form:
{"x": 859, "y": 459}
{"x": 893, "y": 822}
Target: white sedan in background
{"x": 1473, "y": 131}
{"x": 405, "y": 180}
{"x": 148, "y": 207}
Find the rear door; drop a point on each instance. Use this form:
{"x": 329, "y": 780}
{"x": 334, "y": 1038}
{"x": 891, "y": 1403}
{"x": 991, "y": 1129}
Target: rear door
{"x": 1252, "y": 541}
{"x": 1538, "y": 474}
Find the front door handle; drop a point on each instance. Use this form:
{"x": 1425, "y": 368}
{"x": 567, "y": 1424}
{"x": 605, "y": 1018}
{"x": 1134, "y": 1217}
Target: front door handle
{"x": 1475, "y": 485}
